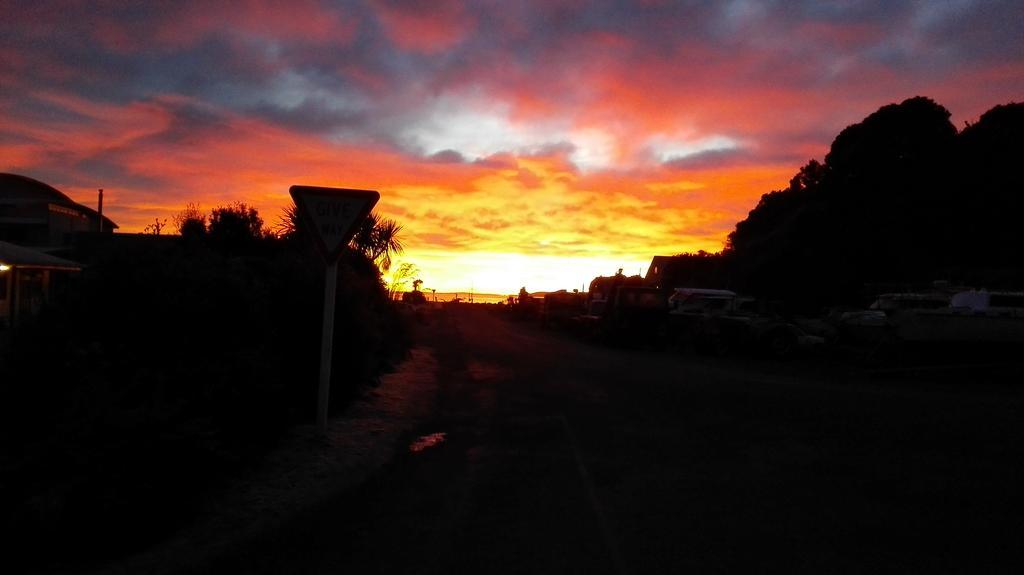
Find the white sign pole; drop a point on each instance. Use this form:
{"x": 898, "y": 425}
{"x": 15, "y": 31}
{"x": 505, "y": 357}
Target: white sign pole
{"x": 326, "y": 346}
{"x": 332, "y": 216}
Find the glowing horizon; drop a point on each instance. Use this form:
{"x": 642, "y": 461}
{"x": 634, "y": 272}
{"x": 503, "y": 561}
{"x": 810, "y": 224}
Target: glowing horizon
{"x": 535, "y": 145}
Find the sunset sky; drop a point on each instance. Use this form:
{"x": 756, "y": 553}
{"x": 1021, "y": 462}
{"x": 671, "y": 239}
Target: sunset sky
{"x": 533, "y": 143}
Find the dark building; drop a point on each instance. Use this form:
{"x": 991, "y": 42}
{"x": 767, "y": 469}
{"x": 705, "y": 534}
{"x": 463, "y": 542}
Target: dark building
{"x": 658, "y": 270}
{"x": 36, "y": 215}
{"x": 38, "y": 223}
{"x": 28, "y": 279}
{"x": 700, "y": 270}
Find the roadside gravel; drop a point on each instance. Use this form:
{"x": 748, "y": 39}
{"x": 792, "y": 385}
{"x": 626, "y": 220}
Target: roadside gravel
{"x": 301, "y": 472}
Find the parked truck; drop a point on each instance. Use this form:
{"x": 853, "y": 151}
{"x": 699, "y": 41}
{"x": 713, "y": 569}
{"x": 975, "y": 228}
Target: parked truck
{"x": 620, "y": 308}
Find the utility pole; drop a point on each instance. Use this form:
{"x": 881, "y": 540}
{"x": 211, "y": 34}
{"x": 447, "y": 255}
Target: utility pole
{"x": 100, "y": 210}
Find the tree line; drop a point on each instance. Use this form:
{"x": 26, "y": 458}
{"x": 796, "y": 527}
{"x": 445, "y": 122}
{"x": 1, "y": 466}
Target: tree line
{"x": 901, "y": 198}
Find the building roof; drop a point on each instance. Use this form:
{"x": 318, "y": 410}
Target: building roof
{"x": 15, "y": 186}
{"x": 657, "y": 269}
{"x": 698, "y": 270}
{"x": 22, "y": 257}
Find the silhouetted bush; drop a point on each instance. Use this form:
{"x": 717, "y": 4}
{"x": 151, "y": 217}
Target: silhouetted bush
{"x": 191, "y": 221}
{"x": 172, "y": 363}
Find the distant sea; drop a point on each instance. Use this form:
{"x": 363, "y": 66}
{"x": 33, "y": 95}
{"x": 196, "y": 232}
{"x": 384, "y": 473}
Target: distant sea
{"x": 474, "y": 297}
{"x": 467, "y": 296}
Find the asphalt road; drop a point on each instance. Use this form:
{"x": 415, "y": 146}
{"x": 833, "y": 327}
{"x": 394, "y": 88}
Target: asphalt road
{"x": 544, "y": 454}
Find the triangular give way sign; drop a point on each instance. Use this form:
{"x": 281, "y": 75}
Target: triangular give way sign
{"x": 333, "y": 214}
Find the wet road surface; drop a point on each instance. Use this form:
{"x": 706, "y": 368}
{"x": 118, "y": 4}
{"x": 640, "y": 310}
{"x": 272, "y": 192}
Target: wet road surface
{"x": 544, "y": 454}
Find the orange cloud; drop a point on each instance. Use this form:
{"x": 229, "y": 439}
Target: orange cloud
{"x": 532, "y": 144}
{"x": 523, "y": 207}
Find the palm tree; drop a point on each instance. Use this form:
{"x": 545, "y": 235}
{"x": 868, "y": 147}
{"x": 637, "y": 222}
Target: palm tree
{"x": 377, "y": 237}
{"x": 288, "y": 223}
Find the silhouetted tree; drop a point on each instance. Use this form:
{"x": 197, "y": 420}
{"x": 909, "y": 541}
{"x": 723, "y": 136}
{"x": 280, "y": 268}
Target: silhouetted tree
{"x": 289, "y": 225}
{"x": 378, "y": 238}
{"x": 400, "y": 278}
{"x": 992, "y": 185}
{"x": 156, "y": 227}
{"x": 191, "y": 221}
{"x": 900, "y": 197}
{"x": 235, "y": 226}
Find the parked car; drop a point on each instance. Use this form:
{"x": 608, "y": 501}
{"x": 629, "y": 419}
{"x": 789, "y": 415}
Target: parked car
{"x": 561, "y": 307}
{"x": 719, "y": 322}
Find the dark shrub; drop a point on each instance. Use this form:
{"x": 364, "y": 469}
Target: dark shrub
{"x": 173, "y": 363}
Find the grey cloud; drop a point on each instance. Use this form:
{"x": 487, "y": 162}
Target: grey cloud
{"x": 774, "y": 153}
{"x": 447, "y": 157}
